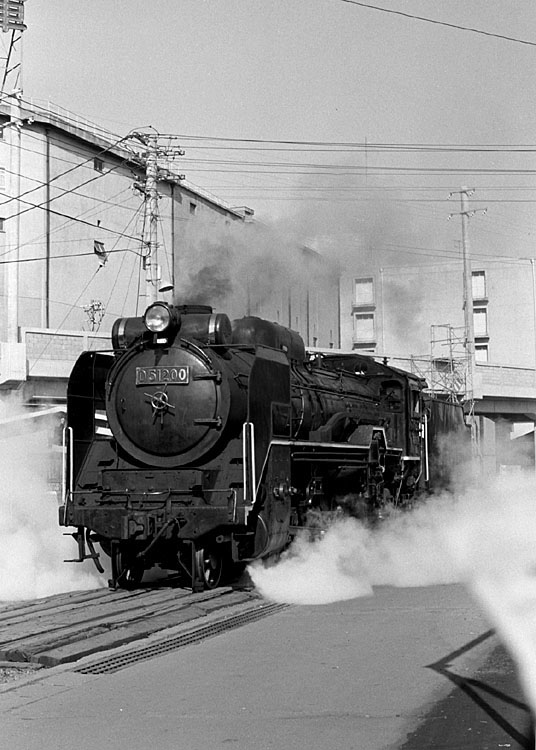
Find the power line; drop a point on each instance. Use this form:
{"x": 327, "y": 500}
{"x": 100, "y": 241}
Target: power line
{"x": 34, "y": 241}
{"x": 67, "y": 171}
{"x": 65, "y": 192}
{"x": 80, "y": 221}
{"x": 440, "y": 23}
{"x": 348, "y": 144}
{"x": 373, "y": 148}
{"x": 311, "y": 165}
{"x": 74, "y": 191}
{"x": 70, "y": 255}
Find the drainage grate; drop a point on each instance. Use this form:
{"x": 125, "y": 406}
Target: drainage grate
{"x": 127, "y": 658}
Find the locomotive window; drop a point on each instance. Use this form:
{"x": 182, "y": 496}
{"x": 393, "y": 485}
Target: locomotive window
{"x": 280, "y": 420}
{"x": 391, "y": 394}
{"x": 415, "y": 402}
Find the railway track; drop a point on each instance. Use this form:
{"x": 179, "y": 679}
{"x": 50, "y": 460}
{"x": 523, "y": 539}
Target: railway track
{"x": 67, "y": 627}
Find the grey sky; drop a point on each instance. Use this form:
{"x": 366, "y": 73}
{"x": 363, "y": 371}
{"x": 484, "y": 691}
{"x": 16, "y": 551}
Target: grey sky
{"x": 314, "y": 70}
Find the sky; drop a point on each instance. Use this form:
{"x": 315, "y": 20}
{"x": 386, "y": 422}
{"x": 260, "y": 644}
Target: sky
{"x": 299, "y": 109}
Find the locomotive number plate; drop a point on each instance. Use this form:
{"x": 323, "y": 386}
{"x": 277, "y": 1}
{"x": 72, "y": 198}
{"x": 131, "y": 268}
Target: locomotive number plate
{"x": 162, "y": 375}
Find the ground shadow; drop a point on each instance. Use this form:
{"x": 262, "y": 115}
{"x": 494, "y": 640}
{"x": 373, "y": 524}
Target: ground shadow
{"x": 493, "y": 699}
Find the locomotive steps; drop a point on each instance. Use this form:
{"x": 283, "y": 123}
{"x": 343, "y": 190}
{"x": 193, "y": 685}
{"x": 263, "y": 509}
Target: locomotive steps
{"x": 66, "y": 627}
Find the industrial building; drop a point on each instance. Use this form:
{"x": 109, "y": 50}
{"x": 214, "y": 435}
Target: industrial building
{"x": 78, "y": 251}
{"x": 415, "y": 317}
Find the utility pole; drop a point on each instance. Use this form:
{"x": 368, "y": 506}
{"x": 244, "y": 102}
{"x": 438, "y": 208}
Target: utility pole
{"x": 152, "y": 269}
{"x": 468, "y": 294}
{"x": 465, "y": 213}
{"x": 12, "y": 21}
{"x": 151, "y": 265}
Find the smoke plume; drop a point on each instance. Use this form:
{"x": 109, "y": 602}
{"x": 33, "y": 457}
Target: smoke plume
{"x": 350, "y": 558}
{"x": 240, "y": 268}
{"x": 496, "y": 551}
{"x": 484, "y": 537}
{"x": 32, "y": 545}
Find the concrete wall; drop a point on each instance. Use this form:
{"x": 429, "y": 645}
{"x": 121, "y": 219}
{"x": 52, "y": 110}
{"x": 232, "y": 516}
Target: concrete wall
{"x": 409, "y": 301}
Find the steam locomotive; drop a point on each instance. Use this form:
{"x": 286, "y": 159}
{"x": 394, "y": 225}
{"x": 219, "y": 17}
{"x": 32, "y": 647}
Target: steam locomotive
{"x": 198, "y": 445}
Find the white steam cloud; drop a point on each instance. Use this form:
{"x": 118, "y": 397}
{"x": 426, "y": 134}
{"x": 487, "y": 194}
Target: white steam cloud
{"x": 496, "y": 551}
{"x": 32, "y": 545}
{"x": 484, "y": 537}
{"x": 350, "y": 558}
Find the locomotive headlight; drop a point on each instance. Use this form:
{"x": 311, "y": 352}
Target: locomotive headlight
{"x": 158, "y": 317}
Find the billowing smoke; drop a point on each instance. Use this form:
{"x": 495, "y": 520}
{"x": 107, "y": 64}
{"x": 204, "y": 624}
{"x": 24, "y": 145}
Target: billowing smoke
{"x": 212, "y": 283}
{"x": 32, "y": 545}
{"x": 495, "y": 549}
{"x": 484, "y": 536}
{"x": 240, "y": 268}
{"x": 406, "y": 548}
{"x": 375, "y": 236}
{"x": 360, "y": 235}
{"x": 350, "y": 558}
{"x": 403, "y": 314}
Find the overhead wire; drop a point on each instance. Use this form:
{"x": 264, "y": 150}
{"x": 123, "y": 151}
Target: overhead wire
{"x": 353, "y": 144}
{"x": 34, "y": 241}
{"x": 290, "y": 170}
{"x": 459, "y": 27}
{"x": 80, "y": 221}
{"x": 72, "y": 190}
{"x": 59, "y": 327}
{"x": 69, "y": 255}
{"x": 112, "y": 290}
{"x": 46, "y": 203}
{"x": 8, "y": 58}
{"x": 138, "y": 290}
{"x": 62, "y": 174}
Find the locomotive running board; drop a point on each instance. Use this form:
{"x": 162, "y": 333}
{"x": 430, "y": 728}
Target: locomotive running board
{"x": 305, "y": 450}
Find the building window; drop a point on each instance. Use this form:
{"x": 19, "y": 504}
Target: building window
{"x": 98, "y": 164}
{"x": 480, "y": 321}
{"x": 2, "y": 225}
{"x": 481, "y": 353}
{"x": 193, "y": 208}
{"x": 2, "y": 178}
{"x": 478, "y": 279}
{"x": 364, "y": 292}
{"x": 364, "y": 327}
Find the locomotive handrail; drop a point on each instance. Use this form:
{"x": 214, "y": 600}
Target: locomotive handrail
{"x": 248, "y": 452}
{"x": 426, "y": 452}
{"x": 66, "y": 444}
{"x": 71, "y": 460}
{"x": 64, "y": 464}
{"x": 331, "y": 445}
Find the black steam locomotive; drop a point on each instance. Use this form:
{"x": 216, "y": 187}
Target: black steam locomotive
{"x": 198, "y": 445}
